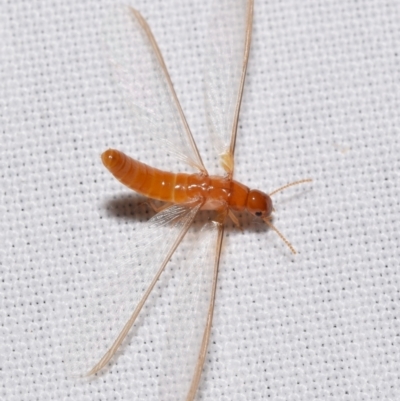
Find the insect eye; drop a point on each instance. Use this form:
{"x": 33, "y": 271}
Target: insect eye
{"x": 258, "y": 214}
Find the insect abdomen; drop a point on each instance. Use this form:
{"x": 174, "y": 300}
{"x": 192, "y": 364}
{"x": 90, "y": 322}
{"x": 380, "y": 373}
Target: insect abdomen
{"x": 175, "y": 188}
{"x": 144, "y": 179}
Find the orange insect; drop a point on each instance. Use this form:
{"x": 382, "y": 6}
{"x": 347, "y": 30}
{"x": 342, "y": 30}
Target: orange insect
{"x": 222, "y": 194}
{"x": 185, "y": 194}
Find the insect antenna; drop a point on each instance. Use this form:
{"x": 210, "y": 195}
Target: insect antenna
{"x": 290, "y": 185}
{"x": 268, "y": 222}
{"x": 289, "y": 245}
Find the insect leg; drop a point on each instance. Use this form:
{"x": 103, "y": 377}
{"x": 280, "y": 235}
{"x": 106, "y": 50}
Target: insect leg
{"x": 156, "y": 208}
{"x": 235, "y": 220}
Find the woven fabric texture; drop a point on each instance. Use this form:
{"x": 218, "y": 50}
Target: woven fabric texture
{"x": 321, "y": 101}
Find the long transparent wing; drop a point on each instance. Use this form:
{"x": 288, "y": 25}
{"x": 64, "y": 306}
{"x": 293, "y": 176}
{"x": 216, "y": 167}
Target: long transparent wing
{"x": 141, "y": 73}
{"x": 228, "y": 53}
{"x": 190, "y": 319}
{"x": 110, "y": 313}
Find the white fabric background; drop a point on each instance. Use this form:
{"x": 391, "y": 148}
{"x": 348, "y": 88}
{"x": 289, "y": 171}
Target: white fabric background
{"x": 322, "y": 100}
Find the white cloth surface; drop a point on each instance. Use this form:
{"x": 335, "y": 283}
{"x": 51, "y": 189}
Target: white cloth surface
{"x": 321, "y": 100}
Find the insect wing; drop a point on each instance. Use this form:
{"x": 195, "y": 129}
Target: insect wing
{"x": 141, "y": 73}
{"x": 190, "y": 317}
{"x": 229, "y": 45}
{"x": 107, "y": 317}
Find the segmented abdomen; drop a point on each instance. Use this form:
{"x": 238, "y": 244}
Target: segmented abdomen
{"x": 213, "y": 191}
{"x": 146, "y": 180}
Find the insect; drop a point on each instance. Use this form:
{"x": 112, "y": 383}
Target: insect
{"x": 186, "y": 194}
